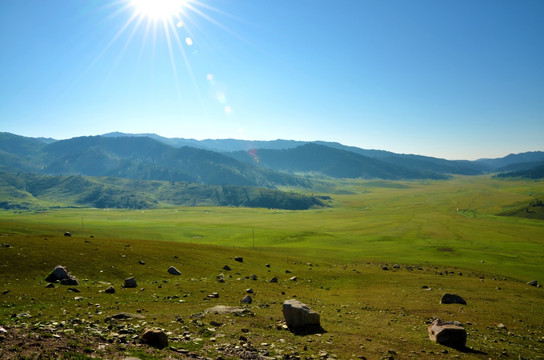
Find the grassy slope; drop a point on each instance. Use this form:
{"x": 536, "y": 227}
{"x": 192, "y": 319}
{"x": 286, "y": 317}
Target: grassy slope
{"x": 365, "y": 310}
{"x": 385, "y": 224}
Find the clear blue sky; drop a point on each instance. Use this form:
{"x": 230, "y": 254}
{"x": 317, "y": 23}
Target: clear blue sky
{"x": 458, "y": 79}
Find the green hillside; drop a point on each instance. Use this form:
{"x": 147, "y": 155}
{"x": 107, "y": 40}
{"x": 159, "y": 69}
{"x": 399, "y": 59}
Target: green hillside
{"x": 34, "y": 192}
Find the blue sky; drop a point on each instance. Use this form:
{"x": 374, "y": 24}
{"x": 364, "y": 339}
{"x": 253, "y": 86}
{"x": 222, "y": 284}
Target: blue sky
{"x": 453, "y": 79}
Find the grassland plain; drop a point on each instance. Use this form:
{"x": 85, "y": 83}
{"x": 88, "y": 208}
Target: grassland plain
{"x": 435, "y": 230}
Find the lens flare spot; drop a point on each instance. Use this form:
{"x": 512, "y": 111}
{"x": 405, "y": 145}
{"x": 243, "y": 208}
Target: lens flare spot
{"x": 179, "y": 24}
{"x": 189, "y": 41}
{"x": 228, "y": 110}
{"x": 209, "y": 77}
{"x": 221, "y": 97}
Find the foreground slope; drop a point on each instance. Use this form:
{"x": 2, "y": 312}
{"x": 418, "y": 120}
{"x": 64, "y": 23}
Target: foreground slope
{"x": 366, "y": 312}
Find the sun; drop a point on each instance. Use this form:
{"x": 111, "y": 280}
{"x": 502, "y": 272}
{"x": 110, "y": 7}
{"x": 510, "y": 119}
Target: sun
{"x": 159, "y": 9}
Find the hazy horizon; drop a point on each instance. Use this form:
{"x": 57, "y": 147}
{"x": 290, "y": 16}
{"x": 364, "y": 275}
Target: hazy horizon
{"x": 280, "y": 139}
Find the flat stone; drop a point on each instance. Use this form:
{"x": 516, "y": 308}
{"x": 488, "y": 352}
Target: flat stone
{"x": 449, "y": 333}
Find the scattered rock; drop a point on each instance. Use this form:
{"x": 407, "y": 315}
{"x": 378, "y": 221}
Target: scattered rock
{"x": 267, "y": 265}
{"x": 227, "y": 268}
{"x": 246, "y": 299}
{"x": 385, "y": 268}
{"x": 67, "y": 233}
{"x": 449, "y": 333}
{"x": 396, "y": 266}
{"x": 59, "y": 273}
{"x": 73, "y": 290}
{"x": 249, "y": 291}
{"x": 239, "y": 259}
{"x": 125, "y": 316}
{"x": 220, "y": 278}
{"x": 294, "y": 278}
{"x": 533, "y": 283}
{"x": 50, "y": 285}
{"x": 299, "y": 315}
{"x": 155, "y": 338}
{"x": 110, "y": 290}
{"x": 452, "y": 299}
{"x": 274, "y": 280}
{"x": 141, "y": 262}
{"x": 130, "y": 283}
{"x": 172, "y": 270}
{"x": 214, "y": 295}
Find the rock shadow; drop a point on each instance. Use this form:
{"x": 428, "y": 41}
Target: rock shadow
{"x": 308, "y": 330}
{"x": 468, "y": 350}
{"x": 465, "y": 349}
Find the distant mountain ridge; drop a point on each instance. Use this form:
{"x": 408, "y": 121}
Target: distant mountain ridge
{"x": 236, "y": 162}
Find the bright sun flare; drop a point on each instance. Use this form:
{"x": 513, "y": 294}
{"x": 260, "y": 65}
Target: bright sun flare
{"x": 159, "y": 9}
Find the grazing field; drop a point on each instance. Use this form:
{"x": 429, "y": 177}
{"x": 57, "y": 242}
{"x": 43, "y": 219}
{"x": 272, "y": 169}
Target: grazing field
{"x": 432, "y": 237}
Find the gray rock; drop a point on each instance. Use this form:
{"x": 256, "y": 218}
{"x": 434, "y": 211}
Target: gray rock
{"x": 294, "y": 278}
{"x": 130, "y": 283}
{"x": 299, "y": 315}
{"x": 125, "y": 316}
{"x": 246, "y": 299}
{"x": 59, "y": 273}
{"x": 533, "y": 283}
{"x": 274, "y": 280}
{"x": 452, "y": 299}
{"x": 110, "y": 290}
{"x": 253, "y": 277}
{"x": 222, "y": 309}
{"x": 449, "y": 333}
{"x": 227, "y": 268}
{"x": 249, "y": 291}
{"x": 155, "y": 338}
{"x": 239, "y": 259}
{"x": 67, "y": 233}
{"x": 172, "y": 270}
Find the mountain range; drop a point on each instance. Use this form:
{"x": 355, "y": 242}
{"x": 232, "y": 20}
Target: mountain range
{"x": 219, "y": 164}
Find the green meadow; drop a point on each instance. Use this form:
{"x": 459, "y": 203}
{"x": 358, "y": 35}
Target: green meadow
{"x": 449, "y": 235}
{"x": 454, "y": 223}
